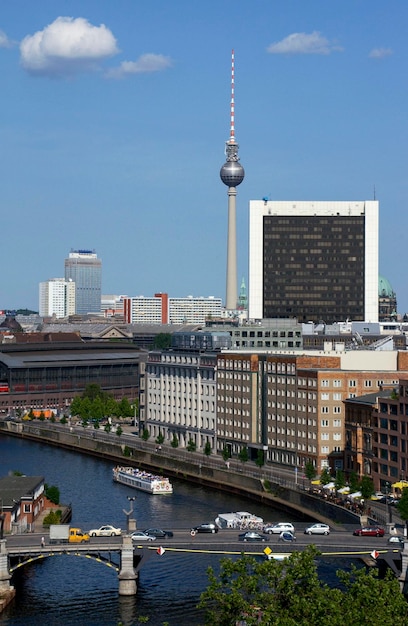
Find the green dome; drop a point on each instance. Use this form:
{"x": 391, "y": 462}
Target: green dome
{"x": 384, "y": 288}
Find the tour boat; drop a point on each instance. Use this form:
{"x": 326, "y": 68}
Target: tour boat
{"x": 142, "y": 480}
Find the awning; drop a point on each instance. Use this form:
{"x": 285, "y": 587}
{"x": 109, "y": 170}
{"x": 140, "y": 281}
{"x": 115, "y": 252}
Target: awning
{"x": 315, "y": 482}
{"x": 329, "y": 486}
{"x": 402, "y": 484}
{"x": 344, "y": 490}
{"x": 356, "y": 494}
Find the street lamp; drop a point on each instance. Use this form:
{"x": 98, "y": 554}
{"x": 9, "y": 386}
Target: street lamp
{"x": 387, "y": 504}
{"x": 130, "y": 520}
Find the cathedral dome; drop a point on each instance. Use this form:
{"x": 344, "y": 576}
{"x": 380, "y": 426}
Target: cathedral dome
{"x": 384, "y": 288}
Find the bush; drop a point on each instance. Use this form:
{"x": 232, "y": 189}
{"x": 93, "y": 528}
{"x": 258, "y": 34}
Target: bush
{"x": 53, "y": 517}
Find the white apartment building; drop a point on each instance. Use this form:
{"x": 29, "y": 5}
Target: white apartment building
{"x": 57, "y": 297}
{"x": 164, "y": 310}
{"x": 193, "y": 310}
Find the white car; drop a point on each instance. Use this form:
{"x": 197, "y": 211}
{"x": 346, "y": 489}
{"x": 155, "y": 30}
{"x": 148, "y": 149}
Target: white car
{"x": 317, "y": 529}
{"x": 105, "y": 531}
{"x": 277, "y": 529}
{"x": 139, "y": 536}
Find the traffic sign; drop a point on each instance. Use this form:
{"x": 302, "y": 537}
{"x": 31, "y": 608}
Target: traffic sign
{"x": 375, "y": 554}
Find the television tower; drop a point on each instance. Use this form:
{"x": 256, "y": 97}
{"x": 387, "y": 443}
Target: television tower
{"x": 232, "y": 174}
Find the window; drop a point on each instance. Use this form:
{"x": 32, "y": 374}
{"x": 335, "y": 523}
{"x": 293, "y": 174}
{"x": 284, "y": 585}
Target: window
{"x": 337, "y": 409}
{"x": 367, "y": 383}
{"x": 352, "y": 383}
{"x": 337, "y": 383}
{"x": 324, "y": 423}
{"x": 325, "y": 396}
{"x": 325, "y": 409}
{"x": 325, "y": 383}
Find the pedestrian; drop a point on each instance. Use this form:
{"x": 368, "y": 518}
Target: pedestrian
{"x": 42, "y": 542}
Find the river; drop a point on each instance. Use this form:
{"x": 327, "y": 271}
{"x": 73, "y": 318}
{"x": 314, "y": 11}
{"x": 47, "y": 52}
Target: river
{"x": 72, "y": 591}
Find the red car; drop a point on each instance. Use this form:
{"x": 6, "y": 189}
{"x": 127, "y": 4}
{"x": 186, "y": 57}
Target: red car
{"x": 369, "y": 531}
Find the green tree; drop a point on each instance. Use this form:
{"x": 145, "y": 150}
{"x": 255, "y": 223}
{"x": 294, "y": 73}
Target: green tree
{"x": 366, "y": 487}
{"x": 31, "y": 414}
{"x": 52, "y": 493}
{"x": 63, "y": 420}
{"x": 191, "y": 446}
{"x": 340, "y": 480}
{"x": 162, "y": 341}
{"x": 260, "y": 458}
{"x": 290, "y": 593}
{"x": 402, "y": 506}
{"x": 207, "y": 448}
{"x": 159, "y": 439}
{"x": 243, "y": 455}
{"x": 325, "y": 477}
{"x": 93, "y": 391}
{"x": 354, "y": 482}
{"x": 125, "y": 408}
{"x": 310, "y": 470}
{"x": 53, "y": 517}
{"x": 226, "y": 454}
{"x": 41, "y": 416}
{"x": 174, "y": 442}
{"x": 119, "y": 431}
{"x": 145, "y": 434}
{"x": 107, "y": 428}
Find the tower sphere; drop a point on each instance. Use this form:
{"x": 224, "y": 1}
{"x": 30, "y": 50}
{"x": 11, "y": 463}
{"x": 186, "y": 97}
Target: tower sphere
{"x": 232, "y": 173}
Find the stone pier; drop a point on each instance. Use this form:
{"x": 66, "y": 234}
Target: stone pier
{"x": 7, "y": 591}
{"x": 127, "y": 575}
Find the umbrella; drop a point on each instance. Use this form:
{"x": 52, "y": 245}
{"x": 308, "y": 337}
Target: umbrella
{"x": 316, "y": 482}
{"x": 402, "y": 484}
{"x": 329, "y": 486}
{"x": 344, "y": 490}
{"x": 356, "y": 494}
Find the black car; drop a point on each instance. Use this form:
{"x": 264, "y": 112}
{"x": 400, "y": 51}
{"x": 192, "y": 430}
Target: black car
{"x": 158, "y": 532}
{"x": 207, "y": 527}
{"x": 252, "y": 536}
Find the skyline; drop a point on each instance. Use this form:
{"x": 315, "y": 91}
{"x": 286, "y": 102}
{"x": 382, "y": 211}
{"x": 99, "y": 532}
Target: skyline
{"x": 114, "y": 121}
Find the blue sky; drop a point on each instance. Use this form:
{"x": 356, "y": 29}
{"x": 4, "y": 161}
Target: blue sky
{"x": 114, "y": 117}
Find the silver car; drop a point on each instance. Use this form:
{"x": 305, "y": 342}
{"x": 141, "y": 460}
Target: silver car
{"x": 317, "y": 529}
{"x": 277, "y": 529}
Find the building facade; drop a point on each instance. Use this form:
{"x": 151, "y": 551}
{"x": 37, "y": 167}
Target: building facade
{"x": 178, "y": 389}
{"x": 57, "y": 298}
{"x": 161, "y": 309}
{"x": 291, "y": 405}
{"x": 85, "y": 269}
{"x": 313, "y": 260}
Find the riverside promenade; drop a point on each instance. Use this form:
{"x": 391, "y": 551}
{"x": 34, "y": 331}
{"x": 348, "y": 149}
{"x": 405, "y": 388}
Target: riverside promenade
{"x": 284, "y": 488}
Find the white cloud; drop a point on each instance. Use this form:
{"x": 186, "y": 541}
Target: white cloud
{"x": 5, "y": 42}
{"x": 380, "y": 53}
{"x": 302, "y": 43}
{"x": 146, "y": 63}
{"x": 66, "y": 47}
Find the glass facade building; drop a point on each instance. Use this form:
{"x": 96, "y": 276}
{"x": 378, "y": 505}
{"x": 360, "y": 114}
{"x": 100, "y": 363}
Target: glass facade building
{"x": 85, "y": 269}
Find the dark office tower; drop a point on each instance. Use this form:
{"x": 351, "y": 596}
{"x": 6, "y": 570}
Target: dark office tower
{"x": 232, "y": 174}
{"x": 85, "y": 269}
{"x": 313, "y": 260}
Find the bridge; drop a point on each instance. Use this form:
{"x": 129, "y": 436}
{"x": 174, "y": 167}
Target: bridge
{"x": 126, "y": 559}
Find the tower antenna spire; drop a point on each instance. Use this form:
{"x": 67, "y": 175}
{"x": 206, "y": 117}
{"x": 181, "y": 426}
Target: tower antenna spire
{"x": 232, "y": 174}
{"x": 232, "y": 109}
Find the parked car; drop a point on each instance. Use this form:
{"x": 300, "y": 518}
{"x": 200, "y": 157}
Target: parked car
{"x": 138, "y": 535}
{"x": 318, "y": 529}
{"x": 276, "y": 529}
{"x": 388, "y": 500}
{"x": 378, "y": 495}
{"x": 251, "y": 535}
{"x": 105, "y": 531}
{"x": 158, "y": 532}
{"x": 369, "y": 531}
{"x": 207, "y": 527}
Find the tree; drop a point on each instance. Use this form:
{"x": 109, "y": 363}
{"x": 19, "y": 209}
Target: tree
{"x": 191, "y": 446}
{"x": 290, "y": 593}
{"x": 310, "y": 470}
{"x": 119, "y": 431}
{"x": 162, "y": 341}
{"x": 107, "y": 428}
{"x": 207, "y": 448}
{"x": 226, "y": 453}
{"x": 325, "y": 477}
{"x": 340, "y": 480}
{"x": 402, "y": 506}
{"x": 366, "y": 487}
{"x": 260, "y": 458}
{"x": 125, "y": 408}
{"x": 174, "y": 442}
{"x": 52, "y": 493}
{"x": 243, "y": 455}
{"x": 354, "y": 482}
{"x": 145, "y": 434}
{"x": 159, "y": 439}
